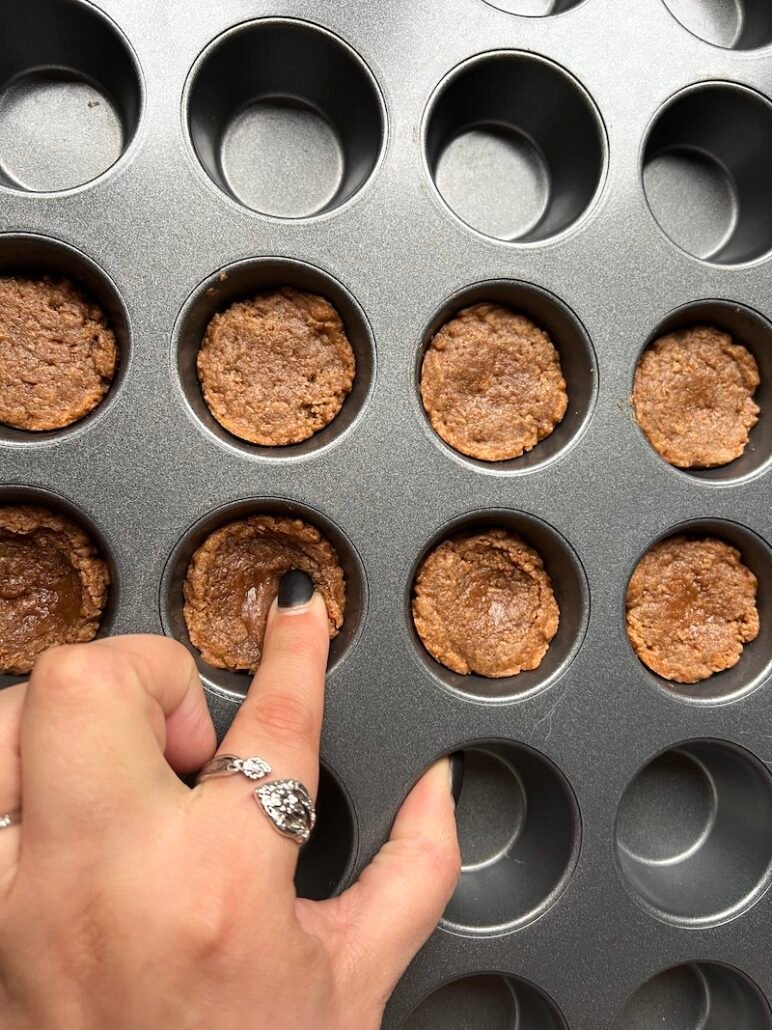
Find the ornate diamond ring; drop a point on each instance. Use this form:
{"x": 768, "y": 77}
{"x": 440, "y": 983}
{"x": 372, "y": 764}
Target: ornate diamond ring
{"x": 288, "y": 805}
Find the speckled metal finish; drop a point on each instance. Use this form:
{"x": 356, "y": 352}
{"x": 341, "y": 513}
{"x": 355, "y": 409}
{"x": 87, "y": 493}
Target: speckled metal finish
{"x": 572, "y": 858}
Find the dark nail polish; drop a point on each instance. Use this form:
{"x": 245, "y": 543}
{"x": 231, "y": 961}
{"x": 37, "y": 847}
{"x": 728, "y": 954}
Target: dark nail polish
{"x": 456, "y": 774}
{"x": 295, "y": 588}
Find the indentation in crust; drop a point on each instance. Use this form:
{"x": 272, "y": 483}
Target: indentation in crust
{"x": 233, "y": 578}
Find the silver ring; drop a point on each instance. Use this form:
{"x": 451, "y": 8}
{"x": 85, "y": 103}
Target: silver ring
{"x": 288, "y": 805}
{"x": 253, "y": 768}
{"x": 10, "y": 819}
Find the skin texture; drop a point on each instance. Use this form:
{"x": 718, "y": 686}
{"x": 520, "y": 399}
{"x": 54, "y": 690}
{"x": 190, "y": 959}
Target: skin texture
{"x": 691, "y": 606}
{"x": 129, "y": 900}
{"x": 233, "y": 579}
{"x": 491, "y": 383}
{"x": 53, "y": 585}
{"x": 58, "y": 355}
{"x": 276, "y": 369}
{"x": 693, "y": 397}
{"x": 483, "y": 603}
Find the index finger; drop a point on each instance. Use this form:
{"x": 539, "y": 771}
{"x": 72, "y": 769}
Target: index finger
{"x": 280, "y": 719}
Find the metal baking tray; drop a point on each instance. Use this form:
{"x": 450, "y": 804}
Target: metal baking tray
{"x": 601, "y": 167}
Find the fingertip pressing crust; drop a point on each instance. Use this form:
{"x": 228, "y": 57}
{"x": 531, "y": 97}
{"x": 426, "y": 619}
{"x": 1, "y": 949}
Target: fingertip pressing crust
{"x": 483, "y": 603}
{"x": 693, "y": 397}
{"x": 233, "y": 578}
{"x": 58, "y": 355}
{"x": 491, "y": 383}
{"x": 53, "y": 585}
{"x": 691, "y": 608}
{"x": 276, "y": 368}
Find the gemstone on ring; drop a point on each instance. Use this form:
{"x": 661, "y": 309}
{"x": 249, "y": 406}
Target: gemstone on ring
{"x": 8, "y": 819}
{"x": 255, "y": 768}
{"x": 288, "y": 805}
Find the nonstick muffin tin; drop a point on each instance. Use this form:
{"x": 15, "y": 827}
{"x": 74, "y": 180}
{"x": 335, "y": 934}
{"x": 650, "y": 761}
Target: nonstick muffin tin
{"x": 602, "y": 167}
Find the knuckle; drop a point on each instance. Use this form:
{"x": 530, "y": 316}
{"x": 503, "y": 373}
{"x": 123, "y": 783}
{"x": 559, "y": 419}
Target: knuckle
{"x": 180, "y": 654}
{"x": 207, "y": 928}
{"x": 284, "y": 717}
{"x": 75, "y": 669}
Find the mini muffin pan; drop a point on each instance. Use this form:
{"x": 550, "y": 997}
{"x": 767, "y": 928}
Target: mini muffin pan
{"x": 604, "y": 168}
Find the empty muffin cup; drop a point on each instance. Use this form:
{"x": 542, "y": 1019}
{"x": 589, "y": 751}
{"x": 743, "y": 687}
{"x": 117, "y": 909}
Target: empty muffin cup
{"x": 486, "y": 1001}
{"x": 753, "y": 332}
{"x": 58, "y": 578}
{"x": 285, "y": 117}
{"x": 705, "y": 164}
{"x": 236, "y": 683}
{"x": 698, "y": 996}
{"x": 325, "y": 861}
{"x": 574, "y": 348}
{"x": 535, "y": 8}
{"x": 693, "y": 833}
{"x": 568, "y": 586}
{"x": 733, "y": 24}
{"x": 241, "y": 282}
{"x": 514, "y": 146}
{"x": 70, "y": 96}
{"x": 519, "y": 832}
{"x": 755, "y": 660}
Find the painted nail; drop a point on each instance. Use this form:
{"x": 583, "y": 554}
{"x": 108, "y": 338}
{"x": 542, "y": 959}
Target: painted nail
{"x": 295, "y": 588}
{"x": 456, "y": 774}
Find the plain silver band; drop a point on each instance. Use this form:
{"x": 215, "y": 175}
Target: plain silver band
{"x": 10, "y": 819}
{"x": 254, "y": 768}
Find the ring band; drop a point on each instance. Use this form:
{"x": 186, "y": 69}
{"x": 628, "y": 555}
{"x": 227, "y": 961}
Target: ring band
{"x": 287, "y": 803}
{"x": 253, "y": 768}
{"x": 10, "y": 819}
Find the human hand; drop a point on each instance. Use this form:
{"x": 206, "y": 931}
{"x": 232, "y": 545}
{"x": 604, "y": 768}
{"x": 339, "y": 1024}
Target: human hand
{"x": 130, "y": 901}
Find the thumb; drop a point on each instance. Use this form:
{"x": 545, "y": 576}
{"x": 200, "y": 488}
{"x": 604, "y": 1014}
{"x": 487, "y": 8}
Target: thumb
{"x": 399, "y": 899}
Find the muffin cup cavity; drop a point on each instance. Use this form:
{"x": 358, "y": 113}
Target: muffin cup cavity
{"x": 70, "y": 96}
{"x": 693, "y": 834}
{"x": 325, "y": 863}
{"x": 754, "y": 332}
{"x": 36, "y": 256}
{"x": 755, "y": 663}
{"x": 577, "y": 361}
{"x": 236, "y": 684}
{"x": 25, "y": 495}
{"x": 241, "y": 281}
{"x": 519, "y": 833}
{"x": 699, "y": 996}
{"x": 486, "y": 1001}
{"x": 285, "y": 118}
{"x": 514, "y": 146}
{"x": 569, "y": 585}
{"x": 705, "y": 163}
{"x": 732, "y": 24}
{"x": 535, "y": 8}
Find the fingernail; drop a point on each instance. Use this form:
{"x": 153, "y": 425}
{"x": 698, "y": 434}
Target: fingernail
{"x": 456, "y": 774}
{"x": 295, "y": 588}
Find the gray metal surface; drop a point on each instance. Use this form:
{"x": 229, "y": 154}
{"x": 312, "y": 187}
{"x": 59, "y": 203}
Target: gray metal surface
{"x": 574, "y": 830}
